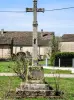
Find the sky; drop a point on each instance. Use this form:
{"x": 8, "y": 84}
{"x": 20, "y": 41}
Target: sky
{"x": 61, "y": 22}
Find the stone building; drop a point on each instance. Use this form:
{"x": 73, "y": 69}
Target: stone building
{"x": 21, "y": 41}
{"x": 67, "y": 43}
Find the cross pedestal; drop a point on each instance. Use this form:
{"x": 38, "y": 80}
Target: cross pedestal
{"x": 35, "y": 75}
{"x": 35, "y": 85}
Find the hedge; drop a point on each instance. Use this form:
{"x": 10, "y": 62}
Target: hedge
{"x": 66, "y": 58}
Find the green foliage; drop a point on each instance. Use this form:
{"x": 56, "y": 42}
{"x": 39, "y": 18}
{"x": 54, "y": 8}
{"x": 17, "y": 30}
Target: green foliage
{"x": 21, "y": 66}
{"x": 66, "y": 85}
{"x": 6, "y": 66}
{"x": 13, "y": 57}
{"x": 54, "y": 43}
{"x": 51, "y": 71}
{"x": 60, "y": 55}
{"x": 7, "y": 84}
{"x": 52, "y": 59}
{"x": 64, "y": 54}
{"x": 43, "y": 62}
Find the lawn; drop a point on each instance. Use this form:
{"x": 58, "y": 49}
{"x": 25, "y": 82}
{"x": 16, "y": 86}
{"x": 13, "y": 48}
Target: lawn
{"x": 7, "y": 83}
{"x": 52, "y": 71}
{"x": 43, "y": 62}
{"x": 66, "y": 85}
{"x": 8, "y": 67}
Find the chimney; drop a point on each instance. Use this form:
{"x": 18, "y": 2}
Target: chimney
{"x": 2, "y": 31}
{"x": 41, "y": 33}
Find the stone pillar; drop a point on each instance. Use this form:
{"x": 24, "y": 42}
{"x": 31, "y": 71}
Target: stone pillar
{"x": 34, "y": 40}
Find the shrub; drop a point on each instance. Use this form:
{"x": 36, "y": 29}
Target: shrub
{"x": 21, "y": 65}
{"x": 13, "y": 57}
{"x": 66, "y": 58}
{"x": 52, "y": 59}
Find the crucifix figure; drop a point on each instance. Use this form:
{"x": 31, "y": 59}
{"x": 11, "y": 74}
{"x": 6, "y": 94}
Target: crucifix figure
{"x": 35, "y": 34}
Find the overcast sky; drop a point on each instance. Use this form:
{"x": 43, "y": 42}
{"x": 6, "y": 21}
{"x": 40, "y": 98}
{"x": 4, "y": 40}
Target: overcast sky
{"x": 60, "y": 22}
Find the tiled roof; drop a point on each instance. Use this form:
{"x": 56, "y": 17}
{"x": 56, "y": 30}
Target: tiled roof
{"x": 24, "y": 38}
{"x": 5, "y": 40}
{"x": 68, "y": 38}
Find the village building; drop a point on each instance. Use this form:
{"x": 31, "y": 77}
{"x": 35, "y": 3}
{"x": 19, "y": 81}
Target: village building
{"x": 67, "y": 43}
{"x": 12, "y": 42}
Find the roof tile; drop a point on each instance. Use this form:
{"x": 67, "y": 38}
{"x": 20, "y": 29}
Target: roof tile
{"x": 24, "y": 38}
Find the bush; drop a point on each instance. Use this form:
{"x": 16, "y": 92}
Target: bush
{"x": 65, "y": 57}
{"x": 21, "y": 65}
{"x": 52, "y": 59}
{"x": 14, "y": 57}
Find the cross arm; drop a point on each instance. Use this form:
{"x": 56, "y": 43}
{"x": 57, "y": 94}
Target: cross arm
{"x": 32, "y": 10}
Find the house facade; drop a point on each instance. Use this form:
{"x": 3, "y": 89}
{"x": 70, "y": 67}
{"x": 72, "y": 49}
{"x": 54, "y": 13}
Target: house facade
{"x": 67, "y": 43}
{"x": 21, "y": 41}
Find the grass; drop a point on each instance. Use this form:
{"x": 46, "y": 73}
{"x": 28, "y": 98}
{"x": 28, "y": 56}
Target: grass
{"x": 43, "y": 62}
{"x": 51, "y": 71}
{"x": 8, "y": 67}
{"x": 66, "y": 85}
{"x": 7, "y": 83}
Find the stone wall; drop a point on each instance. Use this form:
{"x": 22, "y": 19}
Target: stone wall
{"x": 41, "y": 50}
{"x": 5, "y": 51}
{"x": 66, "y": 46}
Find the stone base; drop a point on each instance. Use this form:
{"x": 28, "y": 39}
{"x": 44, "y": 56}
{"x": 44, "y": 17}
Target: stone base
{"x": 34, "y": 93}
{"x": 34, "y": 85}
{"x": 28, "y": 86}
{"x": 34, "y": 90}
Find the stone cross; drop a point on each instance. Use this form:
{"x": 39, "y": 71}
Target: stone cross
{"x": 35, "y": 35}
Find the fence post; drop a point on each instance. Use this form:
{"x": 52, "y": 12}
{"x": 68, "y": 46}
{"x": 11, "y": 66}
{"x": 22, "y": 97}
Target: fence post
{"x": 73, "y": 62}
{"x": 59, "y": 62}
{"x": 46, "y": 62}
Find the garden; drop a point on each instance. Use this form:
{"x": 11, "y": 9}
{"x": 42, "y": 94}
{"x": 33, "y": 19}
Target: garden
{"x": 10, "y": 83}
{"x": 7, "y": 83}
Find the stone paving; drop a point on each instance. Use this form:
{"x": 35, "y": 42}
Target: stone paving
{"x": 45, "y": 75}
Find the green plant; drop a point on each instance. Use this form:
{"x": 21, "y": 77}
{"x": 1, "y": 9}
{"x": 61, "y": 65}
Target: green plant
{"x": 61, "y": 55}
{"x": 52, "y": 59}
{"x": 66, "y": 85}
{"x": 13, "y": 57}
{"x": 21, "y": 67}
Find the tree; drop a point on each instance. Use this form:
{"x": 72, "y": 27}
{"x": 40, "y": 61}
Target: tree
{"x": 55, "y": 47}
{"x": 55, "y": 44}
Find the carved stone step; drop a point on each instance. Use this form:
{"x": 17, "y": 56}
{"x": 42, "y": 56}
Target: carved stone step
{"x": 27, "y": 86}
